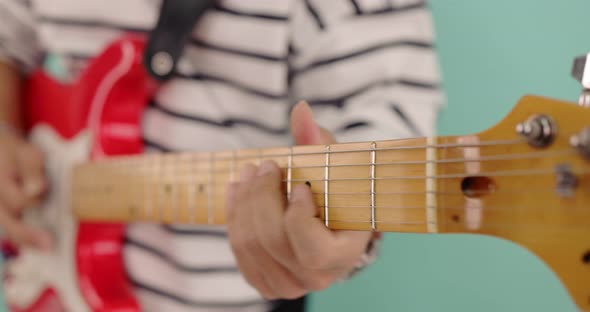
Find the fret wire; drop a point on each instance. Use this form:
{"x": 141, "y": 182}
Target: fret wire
{"x": 138, "y": 198}
{"x": 164, "y": 189}
{"x": 210, "y": 191}
{"x": 146, "y": 184}
{"x": 431, "y": 201}
{"x": 326, "y": 179}
{"x": 232, "y": 170}
{"x": 373, "y": 158}
{"x": 174, "y": 194}
{"x": 289, "y": 172}
{"x": 190, "y": 187}
{"x": 157, "y": 188}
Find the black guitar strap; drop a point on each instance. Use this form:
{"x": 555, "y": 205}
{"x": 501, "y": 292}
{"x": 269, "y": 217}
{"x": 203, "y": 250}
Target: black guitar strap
{"x": 167, "y": 40}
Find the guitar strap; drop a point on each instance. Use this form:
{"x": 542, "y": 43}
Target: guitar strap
{"x": 173, "y": 29}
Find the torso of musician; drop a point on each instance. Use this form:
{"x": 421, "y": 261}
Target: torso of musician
{"x": 368, "y": 73}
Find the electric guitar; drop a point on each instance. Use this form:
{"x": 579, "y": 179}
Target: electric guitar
{"x": 526, "y": 180}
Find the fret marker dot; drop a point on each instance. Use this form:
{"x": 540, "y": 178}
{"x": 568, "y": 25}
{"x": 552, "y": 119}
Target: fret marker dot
{"x": 168, "y": 188}
{"x": 308, "y": 183}
{"x": 201, "y": 188}
{"x": 586, "y": 257}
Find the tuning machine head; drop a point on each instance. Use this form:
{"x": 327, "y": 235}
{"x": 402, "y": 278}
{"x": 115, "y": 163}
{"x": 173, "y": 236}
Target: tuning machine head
{"x": 581, "y": 141}
{"x": 581, "y": 72}
{"x": 538, "y": 130}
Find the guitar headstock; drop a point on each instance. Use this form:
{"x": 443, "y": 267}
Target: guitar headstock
{"x": 527, "y": 179}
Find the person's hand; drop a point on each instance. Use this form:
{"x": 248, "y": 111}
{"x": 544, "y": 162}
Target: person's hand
{"x": 22, "y": 183}
{"x": 282, "y": 248}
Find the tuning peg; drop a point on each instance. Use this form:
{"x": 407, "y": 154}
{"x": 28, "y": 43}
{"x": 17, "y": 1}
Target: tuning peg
{"x": 581, "y": 142}
{"x": 538, "y": 130}
{"x": 581, "y": 72}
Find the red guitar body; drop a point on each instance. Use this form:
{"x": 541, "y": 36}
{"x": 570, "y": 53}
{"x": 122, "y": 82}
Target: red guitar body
{"x": 106, "y": 101}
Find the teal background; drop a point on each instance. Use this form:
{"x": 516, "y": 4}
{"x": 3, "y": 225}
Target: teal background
{"x": 491, "y": 52}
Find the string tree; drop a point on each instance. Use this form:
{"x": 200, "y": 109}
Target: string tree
{"x": 565, "y": 180}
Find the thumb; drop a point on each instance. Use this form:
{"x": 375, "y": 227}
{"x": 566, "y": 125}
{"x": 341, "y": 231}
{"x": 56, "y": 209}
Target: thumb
{"x": 305, "y": 130}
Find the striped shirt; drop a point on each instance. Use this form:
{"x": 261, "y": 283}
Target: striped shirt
{"x": 367, "y": 67}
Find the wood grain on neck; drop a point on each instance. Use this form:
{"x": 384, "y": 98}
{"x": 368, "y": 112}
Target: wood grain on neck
{"x": 190, "y": 188}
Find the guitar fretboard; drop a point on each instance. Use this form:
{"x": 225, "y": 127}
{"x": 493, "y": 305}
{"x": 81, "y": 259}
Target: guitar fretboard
{"x": 365, "y": 186}
{"x": 410, "y": 185}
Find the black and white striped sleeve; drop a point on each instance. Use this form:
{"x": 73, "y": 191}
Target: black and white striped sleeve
{"x": 367, "y": 67}
{"x": 18, "y": 38}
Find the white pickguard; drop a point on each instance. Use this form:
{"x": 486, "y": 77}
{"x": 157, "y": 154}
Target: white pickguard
{"x": 33, "y": 271}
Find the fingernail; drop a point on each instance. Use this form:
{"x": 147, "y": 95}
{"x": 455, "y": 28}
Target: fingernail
{"x": 305, "y": 106}
{"x": 296, "y": 193}
{"x": 266, "y": 167}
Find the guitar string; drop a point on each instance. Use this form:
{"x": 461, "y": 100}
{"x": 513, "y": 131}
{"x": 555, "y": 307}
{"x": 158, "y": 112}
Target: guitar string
{"x": 256, "y": 153}
{"x": 503, "y": 173}
{"x": 390, "y": 221}
{"x": 224, "y": 170}
{"x": 482, "y": 225}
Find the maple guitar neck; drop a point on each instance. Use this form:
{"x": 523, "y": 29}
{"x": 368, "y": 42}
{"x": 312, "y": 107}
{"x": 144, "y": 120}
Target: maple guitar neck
{"x": 424, "y": 185}
{"x": 523, "y": 187}
{"x": 384, "y": 186}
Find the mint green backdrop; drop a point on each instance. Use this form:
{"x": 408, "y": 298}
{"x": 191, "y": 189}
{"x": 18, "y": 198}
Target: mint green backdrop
{"x": 491, "y": 52}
